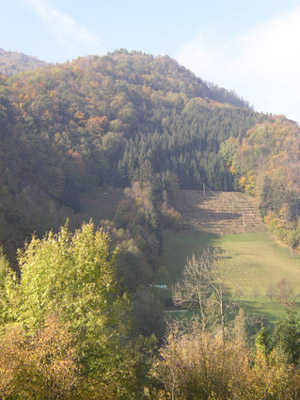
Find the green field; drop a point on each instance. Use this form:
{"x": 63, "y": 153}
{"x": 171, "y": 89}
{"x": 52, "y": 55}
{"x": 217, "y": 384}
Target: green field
{"x": 255, "y": 255}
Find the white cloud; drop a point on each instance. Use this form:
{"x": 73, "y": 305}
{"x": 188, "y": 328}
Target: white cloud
{"x": 76, "y": 38}
{"x": 262, "y": 65}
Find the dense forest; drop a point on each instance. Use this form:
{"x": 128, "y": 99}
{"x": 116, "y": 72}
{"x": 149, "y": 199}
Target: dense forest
{"x": 93, "y": 327}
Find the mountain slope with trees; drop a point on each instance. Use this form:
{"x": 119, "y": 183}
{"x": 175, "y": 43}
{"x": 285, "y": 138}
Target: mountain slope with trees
{"x": 265, "y": 164}
{"x": 82, "y": 315}
{"x": 12, "y": 62}
{"x": 122, "y": 118}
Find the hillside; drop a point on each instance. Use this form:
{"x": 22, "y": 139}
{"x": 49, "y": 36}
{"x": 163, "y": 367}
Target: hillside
{"x": 219, "y": 212}
{"x": 12, "y": 62}
{"x": 265, "y": 164}
{"x": 129, "y": 139}
{"x": 128, "y": 117}
{"x": 101, "y": 121}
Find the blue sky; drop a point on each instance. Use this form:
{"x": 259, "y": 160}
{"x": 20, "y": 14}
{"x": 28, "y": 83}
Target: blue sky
{"x": 251, "y": 47}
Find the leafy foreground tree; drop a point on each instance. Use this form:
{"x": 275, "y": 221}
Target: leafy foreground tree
{"x": 71, "y": 276}
{"x": 286, "y": 336}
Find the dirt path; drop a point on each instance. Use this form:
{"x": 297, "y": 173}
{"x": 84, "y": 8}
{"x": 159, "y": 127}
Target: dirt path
{"x": 219, "y": 212}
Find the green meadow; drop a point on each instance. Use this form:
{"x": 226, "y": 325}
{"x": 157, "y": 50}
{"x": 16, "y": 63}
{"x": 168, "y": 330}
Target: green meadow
{"x": 254, "y": 257}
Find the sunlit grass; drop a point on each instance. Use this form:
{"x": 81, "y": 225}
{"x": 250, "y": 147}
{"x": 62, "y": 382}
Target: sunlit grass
{"x": 259, "y": 260}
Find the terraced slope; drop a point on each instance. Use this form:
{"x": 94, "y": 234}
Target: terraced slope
{"x": 219, "y": 212}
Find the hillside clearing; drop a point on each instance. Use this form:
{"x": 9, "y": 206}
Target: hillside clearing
{"x": 100, "y": 204}
{"x": 219, "y": 212}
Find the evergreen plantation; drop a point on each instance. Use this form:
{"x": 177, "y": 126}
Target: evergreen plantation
{"x": 82, "y": 314}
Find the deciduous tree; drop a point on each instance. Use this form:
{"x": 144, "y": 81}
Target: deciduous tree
{"x": 205, "y": 282}
{"x": 74, "y": 276}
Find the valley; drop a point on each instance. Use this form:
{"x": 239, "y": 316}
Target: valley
{"x": 229, "y": 220}
{"x": 120, "y": 146}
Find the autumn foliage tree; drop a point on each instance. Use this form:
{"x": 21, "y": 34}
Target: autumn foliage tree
{"x": 198, "y": 365}
{"x": 71, "y": 276}
{"x": 41, "y": 365}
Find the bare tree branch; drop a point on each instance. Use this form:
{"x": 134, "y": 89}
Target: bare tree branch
{"x": 206, "y": 279}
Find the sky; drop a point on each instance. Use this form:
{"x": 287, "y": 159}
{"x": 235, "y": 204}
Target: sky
{"x": 250, "y": 46}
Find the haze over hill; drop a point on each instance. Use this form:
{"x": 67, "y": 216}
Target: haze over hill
{"x": 12, "y": 62}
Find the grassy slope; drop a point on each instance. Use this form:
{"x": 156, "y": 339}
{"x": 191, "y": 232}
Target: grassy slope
{"x": 100, "y": 204}
{"x": 266, "y": 261}
{"x": 262, "y": 260}
{"x": 216, "y": 221}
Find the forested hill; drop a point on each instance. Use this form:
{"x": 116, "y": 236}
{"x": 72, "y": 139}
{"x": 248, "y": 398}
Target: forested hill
{"x": 121, "y": 118}
{"x": 12, "y": 62}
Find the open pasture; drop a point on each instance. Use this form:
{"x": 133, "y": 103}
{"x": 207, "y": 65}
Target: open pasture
{"x": 254, "y": 257}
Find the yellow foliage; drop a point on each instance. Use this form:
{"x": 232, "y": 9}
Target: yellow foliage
{"x": 197, "y": 365}
{"x": 79, "y": 115}
{"x": 39, "y": 366}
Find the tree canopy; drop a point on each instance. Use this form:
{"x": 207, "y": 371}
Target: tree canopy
{"x": 72, "y": 277}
